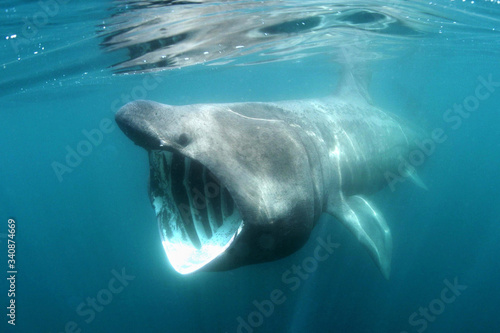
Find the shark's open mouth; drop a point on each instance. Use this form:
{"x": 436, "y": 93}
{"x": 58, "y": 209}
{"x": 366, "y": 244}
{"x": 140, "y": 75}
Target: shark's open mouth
{"x": 197, "y": 217}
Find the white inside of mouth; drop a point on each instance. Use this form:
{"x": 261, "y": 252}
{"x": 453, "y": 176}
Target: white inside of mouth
{"x": 197, "y": 216}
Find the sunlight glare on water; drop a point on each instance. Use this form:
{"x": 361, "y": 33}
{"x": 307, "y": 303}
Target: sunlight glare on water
{"x": 142, "y": 36}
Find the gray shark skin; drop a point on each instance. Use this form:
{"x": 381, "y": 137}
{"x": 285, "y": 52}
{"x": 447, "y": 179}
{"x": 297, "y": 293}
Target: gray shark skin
{"x": 243, "y": 183}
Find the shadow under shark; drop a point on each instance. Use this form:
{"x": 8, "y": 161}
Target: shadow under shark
{"x": 243, "y": 183}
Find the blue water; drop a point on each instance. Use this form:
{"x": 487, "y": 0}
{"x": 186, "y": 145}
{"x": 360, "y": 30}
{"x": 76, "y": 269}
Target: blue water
{"x": 76, "y": 231}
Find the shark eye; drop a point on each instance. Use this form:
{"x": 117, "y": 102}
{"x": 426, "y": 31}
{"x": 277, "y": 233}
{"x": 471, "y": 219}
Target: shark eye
{"x": 183, "y": 140}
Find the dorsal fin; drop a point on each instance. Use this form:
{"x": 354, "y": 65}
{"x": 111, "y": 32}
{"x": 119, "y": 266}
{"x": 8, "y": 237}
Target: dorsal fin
{"x": 353, "y": 84}
{"x": 355, "y": 77}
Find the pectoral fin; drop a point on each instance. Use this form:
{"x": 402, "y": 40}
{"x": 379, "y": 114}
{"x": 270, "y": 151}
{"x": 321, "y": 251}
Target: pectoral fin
{"x": 369, "y": 226}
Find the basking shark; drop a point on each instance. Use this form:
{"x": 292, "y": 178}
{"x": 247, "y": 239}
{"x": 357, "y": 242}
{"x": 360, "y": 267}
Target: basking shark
{"x": 242, "y": 183}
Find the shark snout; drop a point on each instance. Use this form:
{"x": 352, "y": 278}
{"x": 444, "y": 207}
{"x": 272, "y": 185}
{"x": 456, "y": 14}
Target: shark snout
{"x": 135, "y": 119}
{"x": 153, "y": 125}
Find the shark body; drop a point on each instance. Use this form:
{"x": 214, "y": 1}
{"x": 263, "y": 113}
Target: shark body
{"x": 241, "y": 183}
